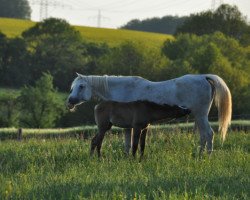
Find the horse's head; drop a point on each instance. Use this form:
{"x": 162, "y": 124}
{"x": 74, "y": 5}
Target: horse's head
{"x": 79, "y": 93}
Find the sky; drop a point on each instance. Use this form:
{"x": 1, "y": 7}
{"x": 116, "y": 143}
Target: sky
{"x": 115, "y": 13}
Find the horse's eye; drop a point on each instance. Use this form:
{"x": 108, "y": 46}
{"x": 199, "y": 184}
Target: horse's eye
{"x": 81, "y": 87}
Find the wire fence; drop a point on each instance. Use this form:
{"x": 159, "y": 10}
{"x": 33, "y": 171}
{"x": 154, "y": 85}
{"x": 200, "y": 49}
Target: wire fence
{"x": 212, "y": 118}
{"x": 86, "y": 132}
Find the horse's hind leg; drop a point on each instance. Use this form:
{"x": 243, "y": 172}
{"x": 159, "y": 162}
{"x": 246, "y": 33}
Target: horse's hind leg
{"x": 206, "y": 134}
{"x": 210, "y": 138}
{"x": 142, "y": 141}
{"x": 128, "y": 132}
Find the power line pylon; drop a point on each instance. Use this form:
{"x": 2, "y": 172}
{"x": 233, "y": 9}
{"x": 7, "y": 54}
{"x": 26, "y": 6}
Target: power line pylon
{"x": 99, "y": 17}
{"x": 44, "y": 6}
{"x": 216, "y": 3}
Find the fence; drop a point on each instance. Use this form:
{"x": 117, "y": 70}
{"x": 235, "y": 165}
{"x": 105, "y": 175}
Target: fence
{"x": 88, "y": 131}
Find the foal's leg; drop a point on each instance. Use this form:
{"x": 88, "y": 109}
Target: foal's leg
{"x": 128, "y": 132}
{"x": 142, "y": 141}
{"x": 99, "y": 144}
{"x": 136, "y": 137}
{"x": 97, "y": 140}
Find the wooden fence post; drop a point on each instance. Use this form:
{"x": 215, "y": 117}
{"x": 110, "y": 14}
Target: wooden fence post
{"x": 19, "y": 134}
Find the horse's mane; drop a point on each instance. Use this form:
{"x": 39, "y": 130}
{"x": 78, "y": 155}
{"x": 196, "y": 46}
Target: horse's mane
{"x": 98, "y": 83}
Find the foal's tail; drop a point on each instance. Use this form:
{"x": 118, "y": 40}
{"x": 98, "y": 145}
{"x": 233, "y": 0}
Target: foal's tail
{"x": 223, "y": 102}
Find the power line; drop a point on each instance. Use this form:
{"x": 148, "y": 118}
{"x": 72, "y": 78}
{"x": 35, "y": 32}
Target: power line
{"x": 123, "y": 8}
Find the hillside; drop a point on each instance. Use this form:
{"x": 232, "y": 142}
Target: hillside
{"x": 14, "y": 27}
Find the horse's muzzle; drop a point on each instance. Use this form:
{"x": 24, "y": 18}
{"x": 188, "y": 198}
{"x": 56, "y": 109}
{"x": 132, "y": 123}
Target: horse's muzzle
{"x": 70, "y": 106}
{"x": 73, "y": 101}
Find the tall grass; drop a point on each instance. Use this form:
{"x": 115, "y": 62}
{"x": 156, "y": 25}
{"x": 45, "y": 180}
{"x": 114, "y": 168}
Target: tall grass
{"x": 62, "y": 169}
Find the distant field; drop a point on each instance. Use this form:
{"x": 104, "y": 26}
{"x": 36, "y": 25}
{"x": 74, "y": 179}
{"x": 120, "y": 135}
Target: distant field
{"x": 14, "y": 27}
{"x": 171, "y": 169}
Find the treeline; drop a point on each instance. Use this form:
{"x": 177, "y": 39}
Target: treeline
{"x": 226, "y": 19}
{"x": 167, "y": 24}
{"x": 15, "y": 9}
{"x": 46, "y": 57}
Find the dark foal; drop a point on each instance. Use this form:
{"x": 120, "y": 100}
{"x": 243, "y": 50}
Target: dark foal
{"x": 137, "y": 115}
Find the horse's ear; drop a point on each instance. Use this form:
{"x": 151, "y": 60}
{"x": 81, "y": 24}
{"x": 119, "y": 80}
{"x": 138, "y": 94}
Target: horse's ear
{"x": 79, "y": 75}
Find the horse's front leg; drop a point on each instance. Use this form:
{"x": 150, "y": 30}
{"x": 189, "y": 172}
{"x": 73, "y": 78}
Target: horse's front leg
{"x": 136, "y": 137}
{"x": 142, "y": 141}
{"x": 128, "y": 132}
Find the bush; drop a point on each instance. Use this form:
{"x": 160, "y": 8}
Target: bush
{"x": 9, "y": 110}
{"x": 40, "y": 104}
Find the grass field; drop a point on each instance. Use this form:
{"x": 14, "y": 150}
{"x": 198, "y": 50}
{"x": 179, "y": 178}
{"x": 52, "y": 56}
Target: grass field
{"x": 62, "y": 169}
{"x": 113, "y": 37}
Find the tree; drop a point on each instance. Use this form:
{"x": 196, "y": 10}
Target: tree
{"x": 166, "y": 24}
{"x": 3, "y": 46}
{"x": 226, "y": 19}
{"x": 14, "y": 62}
{"x": 15, "y": 9}
{"x": 9, "y": 110}
{"x": 56, "y": 47}
{"x": 214, "y": 53}
{"x": 125, "y": 59}
{"x": 40, "y": 104}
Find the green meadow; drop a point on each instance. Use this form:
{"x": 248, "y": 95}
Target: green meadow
{"x": 113, "y": 37}
{"x": 55, "y": 163}
{"x": 171, "y": 169}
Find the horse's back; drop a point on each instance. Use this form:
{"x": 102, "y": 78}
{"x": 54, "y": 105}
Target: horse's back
{"x": 190, "y": 91}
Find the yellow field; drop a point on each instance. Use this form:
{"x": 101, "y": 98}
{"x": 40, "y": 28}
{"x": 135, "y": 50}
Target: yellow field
{"x": 113, "y": 37}
{"x": 14, "y": 27}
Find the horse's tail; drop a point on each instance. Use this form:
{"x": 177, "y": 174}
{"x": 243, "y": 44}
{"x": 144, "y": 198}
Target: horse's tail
{"x": 223, "y": 102}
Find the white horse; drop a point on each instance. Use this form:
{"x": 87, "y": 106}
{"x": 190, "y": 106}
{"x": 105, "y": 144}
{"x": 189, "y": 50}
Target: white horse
{"x": 195, "y": 92}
